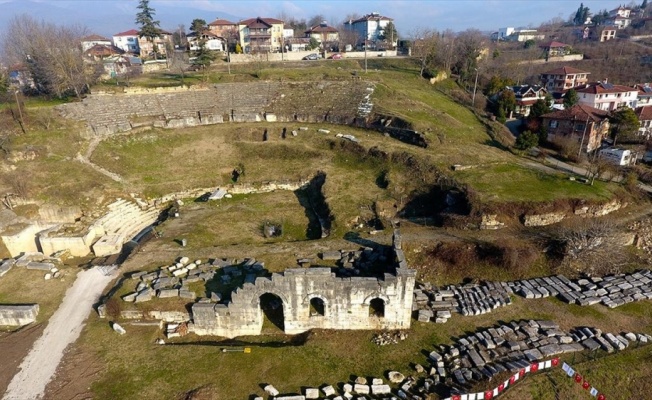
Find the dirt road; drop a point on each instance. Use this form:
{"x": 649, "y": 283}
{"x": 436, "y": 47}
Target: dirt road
{"x": 64, "y": 328}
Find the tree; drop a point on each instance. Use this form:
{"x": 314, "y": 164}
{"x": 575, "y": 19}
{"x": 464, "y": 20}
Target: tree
{"x": 581, "y": 15}
{"x": 644, "y": 5}
{"x": 4, "y": 82}
{"x": 149, "y": 27}
{"x": 424, "y": 48}
{"x": 52, "y": 54}
{"x": 316, "y": 20}
{"x": 496, "y": 84}
{"x": 313, "y": 44}
{"x": 625, "y": 124}
{"x": 600, "y": 17}
{"x": 179, "y": 39}
{"x": 505, "y": 103}
{"x": 571, "y": 98}
{"x": 540, "y": 107}
{"x": 198, "y": 26}
{"x": 469, "y": 46}
{"x": 238, "y": 48}
{"x": 529, "y": 43}
{"x": 526, "y": 140}
{"x": 389, "y": 34}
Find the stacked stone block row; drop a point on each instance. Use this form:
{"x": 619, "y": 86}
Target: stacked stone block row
{"x": 438, "y": 304}
{"x": 514, "y": 346}
{"x": 611, "y": 291}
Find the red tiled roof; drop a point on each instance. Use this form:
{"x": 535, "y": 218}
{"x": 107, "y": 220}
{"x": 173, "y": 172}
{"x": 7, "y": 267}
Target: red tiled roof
{"x": 565, "y": 71}
{"x": 269, "y": 21}
{"x": 644, "y": 113}
{"x": 95, "y": 38}
{"x": 130, "y": 32}
{"x": 220, "y": 21}
{"x": 553, "y": 44}
{"x": 578, "y": 112}
{"x": 599, "y": 88}
{"x": 103, "y": 50}
{"x": 321, "y": 29}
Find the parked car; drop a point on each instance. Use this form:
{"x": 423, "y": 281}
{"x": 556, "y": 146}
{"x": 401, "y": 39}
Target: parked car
{"x": 336, "y": 56}
{"x": 312, "y": 57}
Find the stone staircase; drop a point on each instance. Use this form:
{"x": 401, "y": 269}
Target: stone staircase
{"x": 123, "y": 222}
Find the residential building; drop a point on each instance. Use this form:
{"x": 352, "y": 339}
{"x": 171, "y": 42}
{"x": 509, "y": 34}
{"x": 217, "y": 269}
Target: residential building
{"x": 523, "y": 35}
{"x": 616, "y": 156}
{"x": 261, "y": 35}
{"x": 225, "y": 29}
{"x": 559, "y": 80}
{"x": 581, "y": 123}
{"x": 102, "y": 51}
{"x": 288, "y": 33}
{"x": 297, "y": 44}
{"x": 607, "y": 96}
{"x": 369, "y": 27}
{"x": 157, "y": 46}
{"x": 127, "y": 41}
{"x": 526, "y": 96}
{"x": 121, "y": 65}
{"x": 619, "y": 17}
{"x": 644, "y": 94}
{"x": 555, "y": 49}
{"x": 604, "y": 33}
{"x": 323, "y": 33}
{"x": 644, "y": 115}
{"x": 502, "y": 34}
{"x": 212, "y": 41}
{"x": 92, "y": 40}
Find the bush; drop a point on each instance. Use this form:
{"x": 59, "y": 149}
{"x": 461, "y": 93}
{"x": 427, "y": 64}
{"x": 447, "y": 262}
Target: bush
{"x": 527, "y": 140}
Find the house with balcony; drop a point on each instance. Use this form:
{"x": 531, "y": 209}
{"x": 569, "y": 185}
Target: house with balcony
{"x": 585, "y": 124}
{"x": 619, "y": 17}
{"x": 607, "y": 96}
{"x": 127, "y": 41}
{"x": 323, "y": 33}
{"x": 555, "y": 49}
{"x": 644, "y": 94}
{"x": 261, "y": 35}
{"x": 369, "y": 28}
{"x": 526, "y": 96}
{"x": 559, "y": 80}
{"x": 644, "y": 115}
{"x": 158, "y": 46}
{"x": 210, "y": 40}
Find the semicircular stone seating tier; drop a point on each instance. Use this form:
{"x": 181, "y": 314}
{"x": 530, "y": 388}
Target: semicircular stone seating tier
{"x": 323, "y": 101}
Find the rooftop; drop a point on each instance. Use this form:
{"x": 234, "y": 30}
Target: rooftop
{"x": 95, "y": 38}
{"x": 370, "y": 17}
{"x": 603, "y": 87}
{"x": 565, "y": 71}
{"x": 221, "y": 22}
{"x": 644, "y": 113}
{"x": 578, "y": 112}
{"x": 130, "y": 32}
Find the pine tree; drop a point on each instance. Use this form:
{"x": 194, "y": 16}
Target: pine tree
{"x": 571, "y": 98}
{"x": 149, "y": 27}
{"x": 644, "y": 5}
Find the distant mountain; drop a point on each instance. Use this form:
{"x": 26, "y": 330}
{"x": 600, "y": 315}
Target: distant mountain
{"x": 103, "y": 17}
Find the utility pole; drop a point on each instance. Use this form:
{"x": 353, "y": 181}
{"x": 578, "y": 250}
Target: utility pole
{"x": 475, "y": 87}
{"x": 586, "y": 125}
{"x": 20, "y": 112}
{"x": 365, "y": 55}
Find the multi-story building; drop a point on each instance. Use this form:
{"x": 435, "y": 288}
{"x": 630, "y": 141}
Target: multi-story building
{"x": 526, "y": 96}
{"x": 225, "y": 29}
{"x": 581, "y": 123}
{"x": 607, "y": 96}
{"x": 155, "y": 47}
{"x": 369, "y": 27}
{"x": 261, "y": 35}
{"x": 127, "y": 41}
{"x": 559, "y": 80}
{"x": 93, "y": 40}
{"x": 619, "y": 17}
{"x": 323, "y": 33}
{"x": 644, "y": 94}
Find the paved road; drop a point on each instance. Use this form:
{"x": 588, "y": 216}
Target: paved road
{"x": 64, "y": 327}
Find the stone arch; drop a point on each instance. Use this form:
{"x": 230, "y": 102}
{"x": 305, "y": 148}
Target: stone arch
{"x": 268, "y": 307}
{"x": 314, "y": 301}
{"x": 381, "y": 296}
{"x": 377, "y": 307}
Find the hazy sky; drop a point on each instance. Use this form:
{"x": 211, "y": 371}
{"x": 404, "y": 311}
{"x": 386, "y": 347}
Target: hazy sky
{"x": 485, "y": 15}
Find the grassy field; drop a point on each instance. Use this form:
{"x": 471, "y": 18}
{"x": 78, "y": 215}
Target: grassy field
{"x": 146, "y": 370}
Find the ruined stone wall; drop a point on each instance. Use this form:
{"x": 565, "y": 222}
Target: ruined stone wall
{"x": 18, "y": 315}
{"x": 346, "y": 303}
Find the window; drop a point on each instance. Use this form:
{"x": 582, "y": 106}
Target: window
{"x": 377, "y": 308}
{"x": 580, "y": 127}
{"x": 317, "y": 308}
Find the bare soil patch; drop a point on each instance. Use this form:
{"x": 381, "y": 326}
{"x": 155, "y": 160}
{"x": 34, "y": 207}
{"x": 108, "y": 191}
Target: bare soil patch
{"x": 14, "y": 346}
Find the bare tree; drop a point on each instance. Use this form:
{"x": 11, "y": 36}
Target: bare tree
{"x": 424, "y": 48}
{"x": 52, "y": 54}
{"x": 316, "y": 20}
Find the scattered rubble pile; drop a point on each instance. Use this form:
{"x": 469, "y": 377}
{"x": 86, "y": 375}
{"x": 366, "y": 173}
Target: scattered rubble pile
{"x": 34, "y": 261}
{"x": 171, "y": 280}
{"x": 366, "y": 105}
{"x": 385, "y": 338}
{"x": 514, "y": 346}
{"x": 354, "y": 262}
{"x": 476, "y": 299}
{"x": 359, "y": 389}
{"x": 173, "y": 330}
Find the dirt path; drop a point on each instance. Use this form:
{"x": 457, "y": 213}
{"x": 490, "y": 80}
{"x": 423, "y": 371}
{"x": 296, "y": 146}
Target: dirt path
{"x": 86, "y": 159}
{"x": 64, "y": 327}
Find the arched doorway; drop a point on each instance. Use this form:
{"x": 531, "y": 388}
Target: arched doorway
{"x": 272, "y": 308}
{"x": 377, "y": 308}
{"x": 317, "y": 307}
